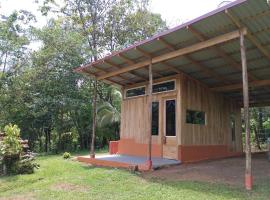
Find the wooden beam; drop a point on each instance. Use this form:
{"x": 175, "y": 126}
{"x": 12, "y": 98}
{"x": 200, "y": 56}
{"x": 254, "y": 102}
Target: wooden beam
{"x": 93, "y": 75}
{"x": 148, "y": 55}
{"x": 238, "y": 23}
{"x": 260, "y": 104}
{"x": 131, "y": 62}
{"x": 248, "y": 173}
{"x": 205, "y": 69}
{"x": 239, "y": 86}
{"x": 150, "y": 87}
{"x": 193, "y": 48}
{"x": 219, "y": 51}
{"x": 94, "y": 121}
{"x": 102, "y": 70}
{"x": 118, "y": 67}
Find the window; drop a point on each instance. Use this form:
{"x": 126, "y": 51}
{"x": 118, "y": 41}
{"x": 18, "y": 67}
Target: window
{"x": 163, "y": 87}
{"x": 135, "y": 92}
{"x": 170, "y": 118}
{"x": 155, "y": 118}
{"x": 195, "y": 117}
{"x": 233, "y": 126}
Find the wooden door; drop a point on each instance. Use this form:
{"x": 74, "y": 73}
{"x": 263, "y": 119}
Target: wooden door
{"x": 169, "y": 133}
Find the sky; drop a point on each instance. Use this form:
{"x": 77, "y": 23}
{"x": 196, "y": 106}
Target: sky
{"x": 174, "y": 12}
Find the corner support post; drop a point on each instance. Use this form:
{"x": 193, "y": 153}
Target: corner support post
{"x": 248, "y": 171}
{"x": 150, "y": 87}
{"x": 94, "y": 123}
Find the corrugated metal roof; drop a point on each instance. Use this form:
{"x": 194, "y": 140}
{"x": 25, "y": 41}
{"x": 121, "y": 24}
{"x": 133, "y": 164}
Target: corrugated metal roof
{"x": 252, "y": 14}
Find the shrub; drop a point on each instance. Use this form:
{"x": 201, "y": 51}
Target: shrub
{"x": 26, "y": 165}
{"x": 11, "y": 158}
{"x": 66, "y": 155}
{"x": 10, "y": 148}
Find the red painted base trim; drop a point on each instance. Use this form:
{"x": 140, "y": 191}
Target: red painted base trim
{"x": 113, "y": 147}
{"x": 105, "y": 163}
{"x": 130, "y": 147}
{"x": 248, "y": 181}
{"x": 92, "y": 156}
{"x": 195, "y": 153}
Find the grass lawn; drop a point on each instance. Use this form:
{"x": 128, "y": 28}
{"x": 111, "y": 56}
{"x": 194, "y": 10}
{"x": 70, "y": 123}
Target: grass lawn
{"x": 67, "y": 179}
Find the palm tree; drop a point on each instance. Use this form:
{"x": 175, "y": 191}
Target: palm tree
{"x": 108, "y": 113}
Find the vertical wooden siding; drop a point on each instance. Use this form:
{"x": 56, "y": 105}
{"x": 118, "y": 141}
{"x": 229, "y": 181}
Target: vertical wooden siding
{"x": 189, "y": 94}
{"x": 195, "y": 96}
{"x": 134, "y": 114}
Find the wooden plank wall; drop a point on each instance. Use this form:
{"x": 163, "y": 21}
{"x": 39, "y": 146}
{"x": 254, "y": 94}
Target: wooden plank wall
{"x": 134, "y": 114}
{"x": 189, "y": 94}
{"x": 196, "y": 96}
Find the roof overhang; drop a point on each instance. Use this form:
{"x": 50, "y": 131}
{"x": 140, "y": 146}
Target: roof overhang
{"x": 206, "y": 49}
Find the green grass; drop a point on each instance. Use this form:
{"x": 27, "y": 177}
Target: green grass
{"x": 86, "y": 182}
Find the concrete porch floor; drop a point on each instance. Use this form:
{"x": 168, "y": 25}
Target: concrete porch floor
{"x": 126, "y": 161}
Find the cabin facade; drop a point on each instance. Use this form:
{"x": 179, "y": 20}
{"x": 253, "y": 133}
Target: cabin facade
{"x": 189, "y": 121}
{"x": 183, "y": 89}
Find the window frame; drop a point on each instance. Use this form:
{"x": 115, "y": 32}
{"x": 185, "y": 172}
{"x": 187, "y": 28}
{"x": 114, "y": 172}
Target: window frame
{"x": 158, "y": 130}
{"x": 164, "y": 119}
{"x": 205, "y": 117}
{"x": 172, "y": 80}
{"x": 147, "y": 89}
{"x": 143, "y": 86}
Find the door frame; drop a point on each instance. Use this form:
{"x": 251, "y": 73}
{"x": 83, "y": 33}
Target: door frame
{"x": 164, "y": 138}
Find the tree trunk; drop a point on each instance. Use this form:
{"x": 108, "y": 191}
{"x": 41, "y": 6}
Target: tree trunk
{"x": 46, "y": 140}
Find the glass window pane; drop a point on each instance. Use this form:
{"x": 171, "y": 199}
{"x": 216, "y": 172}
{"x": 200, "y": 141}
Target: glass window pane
{"x": 195, "y": 117}
{"x": 135, "y": 92}
{"x": 162, "y": 87}
{"x": 170, "y": 118}
{"x": 155, "y": 118}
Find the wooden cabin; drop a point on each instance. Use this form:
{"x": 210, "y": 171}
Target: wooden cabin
{"x": 183, "y": 89}
{"x": 189, "y": 121}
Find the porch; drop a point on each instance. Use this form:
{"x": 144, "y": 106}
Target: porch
{"x": 127, "y": 161}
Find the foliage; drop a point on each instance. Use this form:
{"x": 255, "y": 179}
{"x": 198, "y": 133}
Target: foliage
{"x": 66, "y": 155}
{"x": 39, "y": 90}
{"x": 11, "y": 153}
{"x": 11, "y": 146}
{"x": 26, "y": 165}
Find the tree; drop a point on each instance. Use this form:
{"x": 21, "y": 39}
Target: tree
{"x": 40, "y": 91}
{"x": 100, "y": 23}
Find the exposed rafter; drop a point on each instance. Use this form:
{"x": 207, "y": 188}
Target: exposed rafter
{"x": 219, "y": 51}
{"x": 108, "y": 81}
{"x": 131, "y": 62}
{"x": 238, "y": 24}
{"x": 205, "y": 69}
{"x": 105, "y": 71}
{"x": 253, "y": 84}
{"x": 180, "y": 52}
{"x": 118, "y": 67}
{"x": 148, "y": 55}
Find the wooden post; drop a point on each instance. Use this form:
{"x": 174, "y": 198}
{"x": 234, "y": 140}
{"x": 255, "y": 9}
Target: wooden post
{"x": 150, "y": 86}
{"x": 92, "y": 151}
{"x": 248, "y": 173}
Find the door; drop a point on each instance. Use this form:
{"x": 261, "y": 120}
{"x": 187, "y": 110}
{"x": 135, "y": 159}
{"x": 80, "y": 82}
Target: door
{"x": 169, "y": 133}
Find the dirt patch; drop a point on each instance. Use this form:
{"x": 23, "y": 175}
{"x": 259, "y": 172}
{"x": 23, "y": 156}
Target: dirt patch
{"x": 227, "y": 171}
{"x": 20, "y": 197}
{"x": 69, "y": 187}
